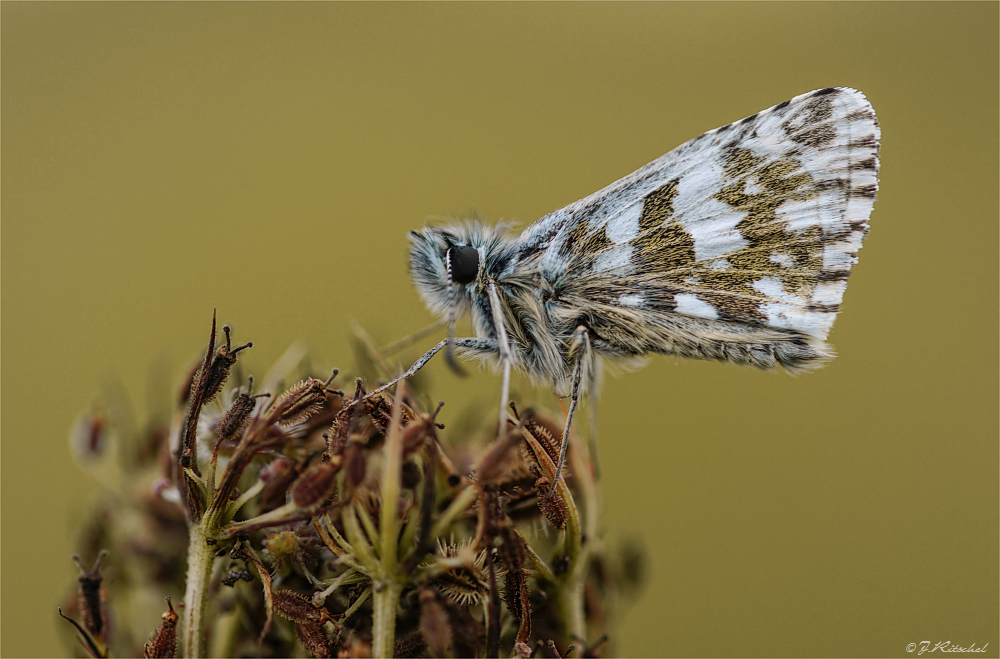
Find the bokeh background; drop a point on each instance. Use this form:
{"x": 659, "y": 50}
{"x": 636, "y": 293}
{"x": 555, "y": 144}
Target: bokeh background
{"x": 161, "y": 160}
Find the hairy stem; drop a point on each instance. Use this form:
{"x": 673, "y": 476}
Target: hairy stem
{"x": 385, "y": 600}
{"x": 201, "y": 556}
{"x": 385, "y": 595}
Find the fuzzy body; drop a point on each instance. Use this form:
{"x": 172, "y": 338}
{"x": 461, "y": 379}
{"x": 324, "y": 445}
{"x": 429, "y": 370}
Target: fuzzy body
{"x": 735, "y": 246}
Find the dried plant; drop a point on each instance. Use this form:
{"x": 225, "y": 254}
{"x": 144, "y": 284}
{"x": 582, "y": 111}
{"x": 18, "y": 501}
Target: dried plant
{"x": 335, "y": 524}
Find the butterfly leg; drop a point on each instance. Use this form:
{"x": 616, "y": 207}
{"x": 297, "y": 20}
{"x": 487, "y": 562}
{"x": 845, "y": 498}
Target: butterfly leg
{"x": 506, "y": 358}
{"x": 580, "y": 351}
{"x": 595, "y": 383}
{"x": 472, "y": 343}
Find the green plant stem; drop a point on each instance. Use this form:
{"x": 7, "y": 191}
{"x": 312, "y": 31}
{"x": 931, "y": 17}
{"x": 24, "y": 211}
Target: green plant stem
{"x": 385, "y": 599}
{"x": 201, "y": 556}
{"x": 386, "y": 591}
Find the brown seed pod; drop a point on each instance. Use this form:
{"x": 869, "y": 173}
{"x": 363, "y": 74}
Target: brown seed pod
{"x": 237, "y": 416}
{"x": 89, "y": 594}
{"x": 218, "y": 370}
{"x": 547, "y": 442}
{"x": 499, "y": 459}
{"x": 301, "y": 401}
{"x": 554, "y": 507}
{"x": 315, "y": 486}
{"x": 434, "y": 623}
{"x": 313, "y": 639}
{"x": 300, "y": 608}
{"x": 163, "y": 642}
{"x": 518, "y": 602}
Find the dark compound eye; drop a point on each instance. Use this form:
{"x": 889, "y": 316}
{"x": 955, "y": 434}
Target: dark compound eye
{"x": 464, "y": 264}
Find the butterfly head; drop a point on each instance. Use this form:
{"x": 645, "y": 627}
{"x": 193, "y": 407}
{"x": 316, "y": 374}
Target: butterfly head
{"x": 448, "y": 263}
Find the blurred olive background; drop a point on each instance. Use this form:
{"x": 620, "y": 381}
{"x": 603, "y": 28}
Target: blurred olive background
{"x": 162, "y": 160}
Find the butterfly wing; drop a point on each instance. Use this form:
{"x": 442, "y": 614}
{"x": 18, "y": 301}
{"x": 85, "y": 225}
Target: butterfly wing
{"x": 736, "y": 245}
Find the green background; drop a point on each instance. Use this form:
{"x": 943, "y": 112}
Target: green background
{"x": 160, "y": 160}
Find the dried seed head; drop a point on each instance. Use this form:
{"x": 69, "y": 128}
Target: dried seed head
{"x": 547, "y": 442}
{"x": 434, "y": 623}
{"x": 355, "y": 463}
{"x": 238, "y": 415}
{"x": 513, "y": 548}
{"x": 513, "y": 583}
{"x": 89, "y": 594}
{"x": 554, "y": 507}
{"x": 499, "y": 459}
{"x": 301, "y": 401}
{"x": 314, "y": 639}
{"x": 300, "y": 608}
{"x": 416, "y": 435}
{"x": 411, "y": 645}
{"x": 163, "y": 642}
{"x": 218, "y": 370}
{"x": 316, "y": 486}
{"x": 277, "y": 475}
{"x": 464, "y": 584}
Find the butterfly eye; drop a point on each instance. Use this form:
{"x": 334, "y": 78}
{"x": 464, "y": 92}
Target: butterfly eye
{"x": 464, "y": 264}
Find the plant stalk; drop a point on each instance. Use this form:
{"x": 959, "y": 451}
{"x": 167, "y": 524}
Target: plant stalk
{"x": 201, "y": 556}
{"x": 385, "y": 600}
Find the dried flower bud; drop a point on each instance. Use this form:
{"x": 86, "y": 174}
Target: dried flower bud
{"x": 89, "y": 594}
{"x": 163, "y": 642}
{"x": 300, "y": 608}
{"x": 316, "y": 486}
{"x": 434, "y": 623}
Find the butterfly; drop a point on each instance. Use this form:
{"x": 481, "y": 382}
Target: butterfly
{"x": 735, "y": 246}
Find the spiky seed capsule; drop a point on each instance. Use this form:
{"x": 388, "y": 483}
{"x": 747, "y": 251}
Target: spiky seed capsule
{"x": 299, "y": 608}
{"x": 314, "y": 639}
{"x": 237, "y": 416}
{"x": 315, "y": 486}
{"x": 300, "y": 402}
{"x": 543, "y": 437}
{"x": 411, "y": 645}
{"x": 163, "y": 642}
{"x": 218, "y": 370}
{"x": 553, "y": 507}
{"x": 512, "y": 547}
